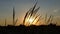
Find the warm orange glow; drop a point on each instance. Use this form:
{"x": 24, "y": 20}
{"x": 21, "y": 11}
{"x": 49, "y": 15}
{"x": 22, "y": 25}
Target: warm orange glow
{"x": 31, "y": 20}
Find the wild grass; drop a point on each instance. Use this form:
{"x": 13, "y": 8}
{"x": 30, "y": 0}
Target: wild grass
{"x": 5, "y": 22}
{"x": 14, "y": 21}
{"x": 35, "y": 18}
{"x": 13, "y": 16}
{"x": 38, "y": 19}
{"x": 32, "y": 13}
{"x": 50, "y": 19}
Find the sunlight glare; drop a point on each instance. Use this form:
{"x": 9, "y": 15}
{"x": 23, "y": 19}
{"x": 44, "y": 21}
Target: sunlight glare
{"x": 31, "y": 20}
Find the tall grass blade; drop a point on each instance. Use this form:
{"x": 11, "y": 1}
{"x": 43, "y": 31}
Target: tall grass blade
{"x": 38, "y": 19}
{"x": 49, "y": 19}
{"x": 13, "y": 16}
{"x": 35, "y": 11}
{"x": 16, "y": 21}
{"x": 32, "y": 10}
{"x": 5, "y": 22}
{"x": 25, "y": 17}
{"x": 35, "y": 18}
{"x": 45, "y": 17}
{"x": 29, "y": 12}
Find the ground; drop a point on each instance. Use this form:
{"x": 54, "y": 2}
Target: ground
{"x": 30, "y": 29}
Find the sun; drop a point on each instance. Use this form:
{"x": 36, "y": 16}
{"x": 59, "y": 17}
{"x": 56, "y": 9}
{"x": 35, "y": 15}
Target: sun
{"x": 31, "y": 20}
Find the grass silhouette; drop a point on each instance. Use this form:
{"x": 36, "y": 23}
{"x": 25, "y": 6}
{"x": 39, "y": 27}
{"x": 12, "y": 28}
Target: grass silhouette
{"x": 32, "y": 29}
{"x": 31, "y": 13}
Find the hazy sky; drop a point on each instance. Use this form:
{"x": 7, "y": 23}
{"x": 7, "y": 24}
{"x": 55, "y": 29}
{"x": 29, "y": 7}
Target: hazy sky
{"x": 22, "y": 6}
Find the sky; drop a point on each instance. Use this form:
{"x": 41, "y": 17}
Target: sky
{"x": 22, "y": 6}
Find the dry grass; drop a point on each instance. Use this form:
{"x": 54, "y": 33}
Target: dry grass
{"x": 31, "y": 13}
{"x": 5, "y": 22}
{"x": 13, "y": 16}
{"x": 14, "y": 21}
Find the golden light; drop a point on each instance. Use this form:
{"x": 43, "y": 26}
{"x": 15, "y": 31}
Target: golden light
{"x": 31, "y": 17}
{"x": 31, "y": 20}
